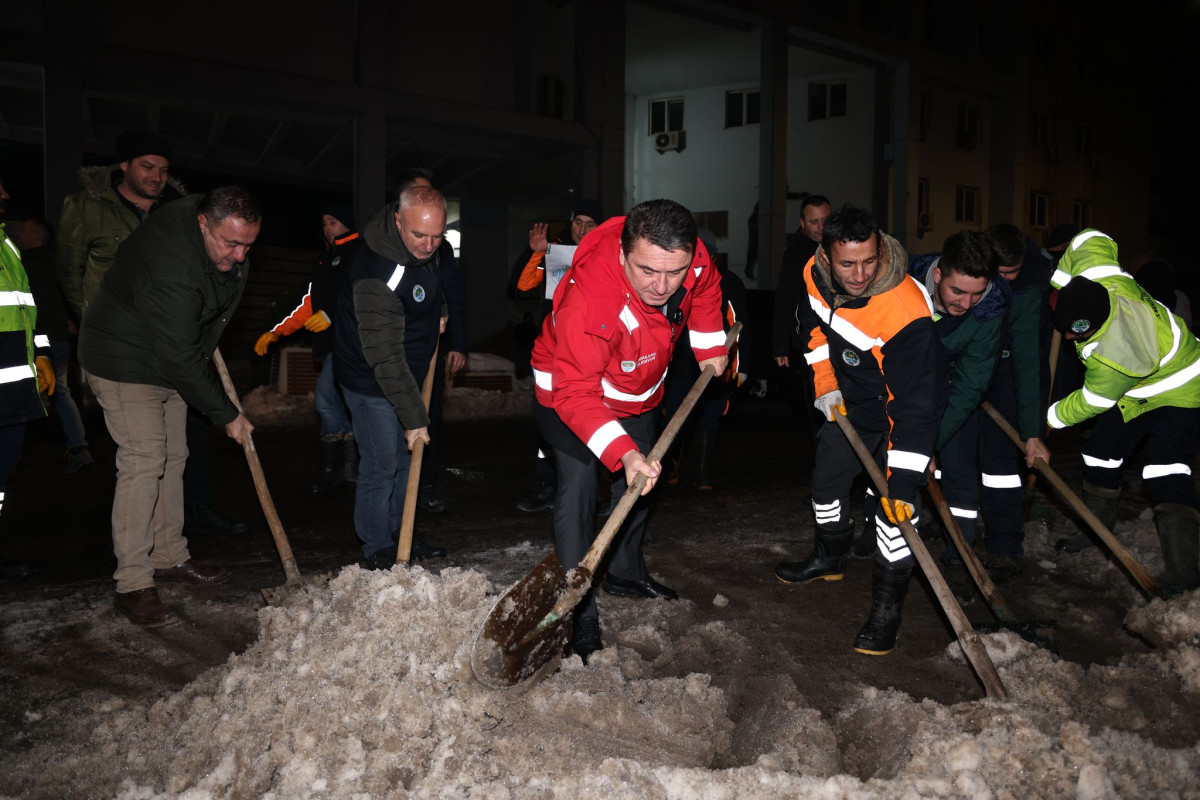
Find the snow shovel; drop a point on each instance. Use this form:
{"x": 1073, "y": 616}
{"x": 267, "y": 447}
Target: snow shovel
{"x": 1132, "y": 565}
{"x": 1007, "y": 619}
{"x": 968, "y": 639}
{"x": 290, "y": 570}
{"x": 526, "y": 630}
{"x": 409, "y": 517}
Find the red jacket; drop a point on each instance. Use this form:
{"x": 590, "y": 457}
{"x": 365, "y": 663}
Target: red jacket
{"x": 603, "y": 353}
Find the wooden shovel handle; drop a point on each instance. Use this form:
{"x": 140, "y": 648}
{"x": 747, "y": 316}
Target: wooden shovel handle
{"x": 1139, "y": 573}
{"x": 290, "y": 570}
{"x": 413, "y": 487}
{"x": 600, "y": 545}
{"x": 968, "y": 639}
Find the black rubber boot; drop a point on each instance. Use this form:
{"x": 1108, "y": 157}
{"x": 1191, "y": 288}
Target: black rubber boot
{"x": 889, "y": 584}
{"x": 1101, "y": 502}
{"x": 349, "y": 458}
{"x": 330, "y": 475}
{"x": 827, "y": 562}
{"x": 704, "y": 446}
{"x": 1179, "y": 532}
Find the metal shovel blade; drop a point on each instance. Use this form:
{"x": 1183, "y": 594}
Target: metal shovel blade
{"x": 516, "y": 642}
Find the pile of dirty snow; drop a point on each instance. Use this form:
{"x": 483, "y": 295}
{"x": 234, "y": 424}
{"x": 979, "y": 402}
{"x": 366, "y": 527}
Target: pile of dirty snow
{"x": 363, "y": 688}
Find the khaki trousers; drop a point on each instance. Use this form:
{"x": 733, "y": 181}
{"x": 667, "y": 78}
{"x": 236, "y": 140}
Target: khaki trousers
{"x": 148, "y": 425}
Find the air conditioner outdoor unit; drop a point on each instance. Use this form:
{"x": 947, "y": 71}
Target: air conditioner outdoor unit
{"x": 925, "y": 221}
{"x": 670, "y": 140}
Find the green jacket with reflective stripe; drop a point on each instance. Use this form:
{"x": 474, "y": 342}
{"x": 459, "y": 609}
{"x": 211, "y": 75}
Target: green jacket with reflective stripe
{"x": 1141, "y": 358}
{"x": 20, "y": 342}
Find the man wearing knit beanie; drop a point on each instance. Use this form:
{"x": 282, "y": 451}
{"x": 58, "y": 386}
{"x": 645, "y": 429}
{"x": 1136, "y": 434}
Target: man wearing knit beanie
{"x": 1141, "y": 383}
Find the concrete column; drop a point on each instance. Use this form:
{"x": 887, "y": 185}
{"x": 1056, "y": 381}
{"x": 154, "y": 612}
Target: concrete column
{"x": 772, "y": 153}
{"x": 370, "y": 163}
{"x": 62, "y": 113}
{"x": 484, "y": 264}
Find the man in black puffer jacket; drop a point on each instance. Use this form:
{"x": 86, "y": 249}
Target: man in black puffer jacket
{"x": 387, "y": 325}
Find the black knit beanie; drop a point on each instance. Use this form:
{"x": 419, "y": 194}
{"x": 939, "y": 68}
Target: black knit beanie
{"x": 1082, "y": 307}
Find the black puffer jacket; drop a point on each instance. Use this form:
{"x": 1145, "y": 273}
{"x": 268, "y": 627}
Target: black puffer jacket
{"x": 161, "y": 309}
{"x": 387, "y": 320}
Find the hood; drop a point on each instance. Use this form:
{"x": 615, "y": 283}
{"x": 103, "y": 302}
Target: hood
{"x": 1090, "y": 248}
{"x": 381, "y": 235}
{"x": 97, "y": 180}
{"x": 893, "y": 268}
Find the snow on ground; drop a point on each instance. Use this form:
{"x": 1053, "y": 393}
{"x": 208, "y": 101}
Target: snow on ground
{"x": 362, "y": 687}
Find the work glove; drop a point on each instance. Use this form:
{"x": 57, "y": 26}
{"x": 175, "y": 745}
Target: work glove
{"x": 318, "y": 322}
{"x": 265, "y": 341}
{"x": 45, "y": 375}
{"x": 827, "y": 402}
{"x": 896, "y": 511}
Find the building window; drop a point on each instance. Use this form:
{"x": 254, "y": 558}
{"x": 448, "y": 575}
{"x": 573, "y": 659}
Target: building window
{"x": 1083, "y": 214}
{"x": 968, "y": 126}
{"x": 715, "y": 221}
{"x": 966, "y": 204}
{"x": 1039, "y": 209}
{"x": 742, "y": 108}
{"x": 1043, "y": 128}
{"x": 826, "y": 100}
{"x": 666, "y": 116}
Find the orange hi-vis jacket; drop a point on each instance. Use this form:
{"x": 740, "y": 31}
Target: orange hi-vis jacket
{"x": 882, "y": 352}
{"x": 602, "y": 354}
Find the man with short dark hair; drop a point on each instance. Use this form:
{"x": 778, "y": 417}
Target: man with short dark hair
{"x": 635, "y": 283}
{"x": 145, "y": 347}
{"x": 874, "y": 355}
{"x": 388, "y": 320}
{"x": 969, "y": 303}
{"x": 1141, "y": 383}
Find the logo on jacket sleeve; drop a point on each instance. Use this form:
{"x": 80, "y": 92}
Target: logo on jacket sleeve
{"x": 419, "y": 293}
{"x": 628, "y": 366}
{"x": 850, "y": 357}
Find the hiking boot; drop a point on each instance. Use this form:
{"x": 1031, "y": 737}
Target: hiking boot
{"x": 144, "y": 608}
{"x": 889, "y": 584}
{"x": 585, "y": 637}
{"x": 77, "y": 458}
{"x": 428, "y": 501}
{"x": 827, "y": 562}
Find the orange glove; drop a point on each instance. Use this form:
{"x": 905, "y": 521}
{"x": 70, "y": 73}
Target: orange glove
{"x": 45, "y": 374}
{"x": 896, "y": 511}
{"x": 265, "y": 341}
{"x": 319, "y": 321}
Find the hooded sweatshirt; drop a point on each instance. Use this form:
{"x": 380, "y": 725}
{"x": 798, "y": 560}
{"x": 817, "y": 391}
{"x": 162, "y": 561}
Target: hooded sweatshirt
{"x": 882, "y": 352}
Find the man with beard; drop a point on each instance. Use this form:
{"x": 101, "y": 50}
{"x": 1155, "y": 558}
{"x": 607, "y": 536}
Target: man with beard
{"x": 387, "y": 325}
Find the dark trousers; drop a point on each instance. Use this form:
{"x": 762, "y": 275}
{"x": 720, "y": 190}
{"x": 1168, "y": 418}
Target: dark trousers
{"x": 575, "y": 501}
{"x": 958, "y": 475}
{"x": 197, "y": 475}
{"x": 1171, "y": 435}
{"x": 429, "y": 460}
{"x": 1002, "y": 469}
{"x": 11, "y": 439}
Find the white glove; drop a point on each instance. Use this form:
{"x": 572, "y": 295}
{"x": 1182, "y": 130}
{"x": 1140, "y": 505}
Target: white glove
{"x": 827, "y": 402}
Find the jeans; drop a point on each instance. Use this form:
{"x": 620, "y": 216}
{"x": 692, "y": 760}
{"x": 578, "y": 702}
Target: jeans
{"x": 147, "y": 424}
{"x": 64, "y": 404}
{"x": 327, "y": 399}
{"x": 382, "y": 470}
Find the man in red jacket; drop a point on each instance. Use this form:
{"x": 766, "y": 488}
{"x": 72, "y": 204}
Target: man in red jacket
{"x": 635, "y": 284}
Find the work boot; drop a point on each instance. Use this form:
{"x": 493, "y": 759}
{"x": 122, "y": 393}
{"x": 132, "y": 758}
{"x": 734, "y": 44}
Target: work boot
{"x": 77, "y": 458}
{"x": 889, "y": 584}
{"x": 704, "y": 446}
{"x": 383, "y": 559}
{"x": 144, "y": 608}
{"x": 1101, "y": 502}
{"x": 1179, "y": 532}
{"x": 960, "y": 583}
{"x": 585, "y": 637}
{"x": 827, "y": 562}
{"x": 204, "y": 519}
{"x": 864, "y": 544}
{"x": 349, "y": 458}
{"x": 542, "y": 500}
{"x": 428, "y": 501}
{"x": 331, "y": 474}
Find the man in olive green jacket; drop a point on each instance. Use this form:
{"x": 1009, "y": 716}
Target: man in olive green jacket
{"x": 1141, "y": 382}
{"x": 145, "y": 347}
